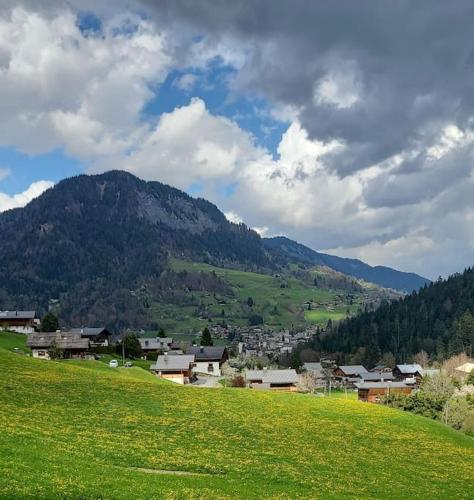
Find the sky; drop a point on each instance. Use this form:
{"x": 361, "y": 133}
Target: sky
{"x": 348, "y": 126}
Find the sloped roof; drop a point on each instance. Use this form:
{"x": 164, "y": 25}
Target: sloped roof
{"x": 89, "y": 332}
{"x": 353, "y": 369}
{"x": 172, "y": 363}
{"x": 63, "y": 340}
{"x": 381, "y": 385}
{"x": 17, "y": 315}
{"x": 206, "y": 353}
{"x": 155, "y": 343}
{"x": 272, "y": 376}
{"x": 373, "y": 376}
{"x": 408, "y": 369}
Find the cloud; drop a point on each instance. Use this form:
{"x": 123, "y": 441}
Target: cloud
{"x": 186, "y": 82}
{"x": 4, "y": 173}
{"x": 8, "y": 202}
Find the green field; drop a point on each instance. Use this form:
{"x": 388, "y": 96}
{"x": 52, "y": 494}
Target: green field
{"x": 280, "y": 307}
{"x": 83, "y": 430}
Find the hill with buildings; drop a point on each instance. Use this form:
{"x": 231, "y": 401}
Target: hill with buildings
{"x": 83, "y": 430}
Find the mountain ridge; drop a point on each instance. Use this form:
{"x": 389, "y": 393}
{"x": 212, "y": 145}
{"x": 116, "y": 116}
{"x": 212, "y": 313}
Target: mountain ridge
{"x": 91, "y": 241}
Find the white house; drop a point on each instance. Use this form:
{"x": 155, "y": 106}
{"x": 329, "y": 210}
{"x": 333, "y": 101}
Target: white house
{"x": 208, "y": 359}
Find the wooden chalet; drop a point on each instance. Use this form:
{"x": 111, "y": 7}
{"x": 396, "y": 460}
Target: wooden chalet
{"x": 19, "y": 321}
{"x": 176, "y": 368}
{"x": 71, "y": 345}
{"x": 279, "y": 380}
{"x": 372, "y": 392}
{"x": 409, "y": 373}
{"x": 98, "y": 337}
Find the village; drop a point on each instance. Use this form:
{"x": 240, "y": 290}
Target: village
{"x": 249, "y": 362}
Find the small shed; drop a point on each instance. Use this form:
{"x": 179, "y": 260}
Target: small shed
{"x": 372, "y": 392}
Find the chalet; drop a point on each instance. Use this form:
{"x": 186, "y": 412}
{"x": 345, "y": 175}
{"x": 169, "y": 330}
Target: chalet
{"x": 372, "y": 392}
{"x": 408, "y": 373}
{"x": 98, "y": 337}
{"x": 19, "y": 321}
{"x": 208, "y": 359}
{"x": 349, "y": 371}
{"x": 72, "y": 345}
{"x": 280, "y": 380}
{"x": 348, "y": 375}
{"x": 178, "y": 368}
{"x": 158, "y": 344}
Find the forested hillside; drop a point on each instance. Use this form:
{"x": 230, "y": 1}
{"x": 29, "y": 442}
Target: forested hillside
{"x": 438, "y": 319}
{"x": 97, "y": 249}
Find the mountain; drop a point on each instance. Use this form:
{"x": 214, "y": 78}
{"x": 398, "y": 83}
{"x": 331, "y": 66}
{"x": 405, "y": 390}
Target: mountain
{"x": 437, "y": 319}
{"x": 380, "y": 275}
{"x": 98, "y": 247}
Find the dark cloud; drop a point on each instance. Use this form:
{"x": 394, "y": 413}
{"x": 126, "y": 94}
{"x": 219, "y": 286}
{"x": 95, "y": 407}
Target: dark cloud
{"x": 414, "y": 61}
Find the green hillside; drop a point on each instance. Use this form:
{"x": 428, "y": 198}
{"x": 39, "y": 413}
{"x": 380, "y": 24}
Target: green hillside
{"x": 82, "y": 430}
{"x": 282, "y": 300}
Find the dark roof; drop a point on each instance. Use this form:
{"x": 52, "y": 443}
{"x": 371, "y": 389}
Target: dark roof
{"x": 207, "y": 353}
{"x": 63, "y": 340}
{"x": 89, "y": 332}
{"x": 353, "y": 369}
{"x": 409, "y": 369}
{"x": 17, "y": 315}
{"x": 155, "y": 343}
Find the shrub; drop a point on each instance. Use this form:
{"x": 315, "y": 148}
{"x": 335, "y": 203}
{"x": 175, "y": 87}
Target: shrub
{"x": 468, "y": 424}
{"x": 238, "y": 381}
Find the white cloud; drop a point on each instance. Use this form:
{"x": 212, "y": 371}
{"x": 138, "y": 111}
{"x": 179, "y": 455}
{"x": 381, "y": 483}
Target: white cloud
{"x": 8, "y": 202}
{"x": 61, "y": 88}
{"x": 186, "y": 82}
{"x": 4, "y": 173}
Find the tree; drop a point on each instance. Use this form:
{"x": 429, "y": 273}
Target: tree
{"x": 50, "y": 323}
{"x": 388, "y": 360}
{"x": 238, "y": 381}
{"x": 439, "y": 385}
{"x": 295, "y": 361}
{"x": 250, "y": 302}
{"x": 161, "y": 333}
{"x": 55, "y": 352}
{"x": 422, "y": 359}
{"x": 206, "y": 339}
{"x": 132, "y": 346}
{"x": 255, "y": 319}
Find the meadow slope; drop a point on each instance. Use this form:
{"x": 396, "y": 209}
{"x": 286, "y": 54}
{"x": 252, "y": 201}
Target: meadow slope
{"x": 83, "y": 430}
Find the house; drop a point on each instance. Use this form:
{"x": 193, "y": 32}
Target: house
{"x": 19, "y": 321}
{"x": 371, "y": 392}
{"x": 208, "y": 359}
{"x": 98, "y": 337}
{"x": 177, "y": 368}
{"x": 408, "y": 373}
{"x": 348, "y": 375}
{"x": 281, "y": 380}
{"x": 316, "y": 369}
{"x": 158, "y": 344}
{"x": 464, "y": 370}
{"x": 350, "y": 371}
{"x": 72, "y": 345}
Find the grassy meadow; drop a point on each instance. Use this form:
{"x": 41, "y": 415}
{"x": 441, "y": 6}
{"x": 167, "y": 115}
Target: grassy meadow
{"x": 280, "y": 307}
{"x": 83, "y": 430}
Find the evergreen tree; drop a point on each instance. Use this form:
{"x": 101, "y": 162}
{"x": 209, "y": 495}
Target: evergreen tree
{"x": 50, "y": 323}
{"x": 161, "y": 333}
{"x": 132, "y": 346}
{"x": 250, "y": 302}
{"x": 206, "y": 339}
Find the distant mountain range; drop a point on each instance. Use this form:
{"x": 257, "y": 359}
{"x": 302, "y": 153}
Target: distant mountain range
{"x": 89, "y": 240}
{"x": 381, "y": 275}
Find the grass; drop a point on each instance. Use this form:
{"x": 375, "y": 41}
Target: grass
{"x": 280, "y": 307}
{"x": 83, "y": 430}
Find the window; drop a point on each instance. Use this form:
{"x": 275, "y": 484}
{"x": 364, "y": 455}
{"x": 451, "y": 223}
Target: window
{"x": 210, "y": 367}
